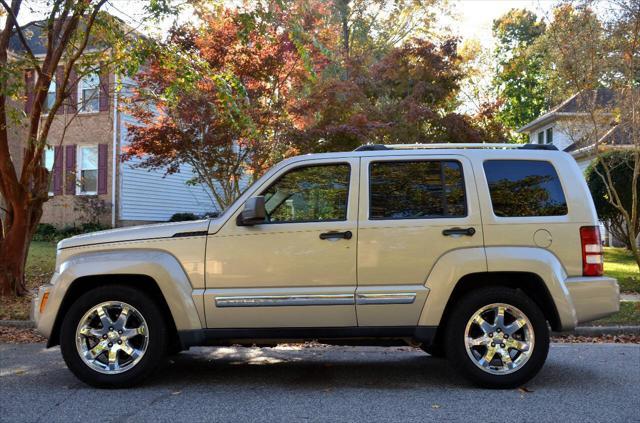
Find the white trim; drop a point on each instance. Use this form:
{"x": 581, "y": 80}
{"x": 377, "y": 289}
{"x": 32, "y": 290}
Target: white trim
{"x": 114, "y": 158}
{"x": 79, "y": 169}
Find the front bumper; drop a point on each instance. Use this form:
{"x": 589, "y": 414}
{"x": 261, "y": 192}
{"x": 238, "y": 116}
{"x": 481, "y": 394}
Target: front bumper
{"x": 44, "y": 316}
{"x": 593, "y": 297}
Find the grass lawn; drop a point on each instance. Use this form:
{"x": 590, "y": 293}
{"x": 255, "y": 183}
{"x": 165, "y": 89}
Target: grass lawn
{"x": 619, "y": 264}
{"x": 40, "y": 265}
{"x": 629, "y": 314}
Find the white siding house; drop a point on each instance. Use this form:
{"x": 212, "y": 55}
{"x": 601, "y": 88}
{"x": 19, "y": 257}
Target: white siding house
{"x": 569, "y": 125}
{"x": 566, "y": 125}
{"x": 150, "y": 195}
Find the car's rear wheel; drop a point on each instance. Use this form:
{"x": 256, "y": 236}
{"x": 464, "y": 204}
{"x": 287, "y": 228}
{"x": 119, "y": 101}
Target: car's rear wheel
{"x": 497, "y": 337}
{"x": 113, "y": 336}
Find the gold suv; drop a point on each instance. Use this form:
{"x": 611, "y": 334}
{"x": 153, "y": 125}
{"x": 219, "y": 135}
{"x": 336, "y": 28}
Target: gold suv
{"x": 472, "y": 252}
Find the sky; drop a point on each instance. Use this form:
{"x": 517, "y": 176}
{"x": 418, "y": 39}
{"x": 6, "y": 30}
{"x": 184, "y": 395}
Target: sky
{"x": 475, "y": 17}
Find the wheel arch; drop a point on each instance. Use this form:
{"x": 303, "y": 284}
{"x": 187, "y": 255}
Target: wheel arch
{"x": 84, "y": 284}
{"x": 157, "y": 273}
{"x": 528, "y": 282}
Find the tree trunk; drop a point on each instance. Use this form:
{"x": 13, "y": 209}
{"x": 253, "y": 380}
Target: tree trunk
{"x": 13, "y": 256}
{"x": 14, "y": 248}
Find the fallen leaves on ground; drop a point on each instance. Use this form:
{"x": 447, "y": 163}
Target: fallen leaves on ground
{"x": 604, "y": 339}
{"x": 11, "y": 335}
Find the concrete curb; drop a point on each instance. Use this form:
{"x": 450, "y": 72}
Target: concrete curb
{"x": 579, "y": 331}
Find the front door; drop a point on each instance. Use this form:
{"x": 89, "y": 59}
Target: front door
{"x": 298, "y": 268}
{"x": 413, "y": 210}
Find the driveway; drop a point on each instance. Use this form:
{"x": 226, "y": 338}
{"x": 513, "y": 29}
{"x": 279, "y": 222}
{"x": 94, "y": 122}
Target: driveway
{"x": 580, "y": 382}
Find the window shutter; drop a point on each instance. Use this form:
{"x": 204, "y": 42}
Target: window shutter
{"x": 70, "y": 169}
{"x": 57, "y": 171}
{"x": 102, "y": 168}
{"x": 59, "y": 76}
{"x": 104, "y": 88}
{"x": 29, "y": 78}
{"x": 72, "y": 98}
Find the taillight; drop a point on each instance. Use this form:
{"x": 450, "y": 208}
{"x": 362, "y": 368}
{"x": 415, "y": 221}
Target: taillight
{"x": 592, "y": 260}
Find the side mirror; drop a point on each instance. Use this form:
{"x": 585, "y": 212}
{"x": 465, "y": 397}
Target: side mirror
{"x": 253, "y": 213}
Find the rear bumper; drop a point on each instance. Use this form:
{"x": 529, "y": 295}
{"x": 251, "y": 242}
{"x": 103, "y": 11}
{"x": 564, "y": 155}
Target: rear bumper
{"x": 593, "y": 297}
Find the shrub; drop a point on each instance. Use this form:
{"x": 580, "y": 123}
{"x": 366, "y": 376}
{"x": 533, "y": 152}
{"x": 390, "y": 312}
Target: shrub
{"x": 181, "y": 217}
{"x": 45, "y": 232}
{"x": 620, "y": 164}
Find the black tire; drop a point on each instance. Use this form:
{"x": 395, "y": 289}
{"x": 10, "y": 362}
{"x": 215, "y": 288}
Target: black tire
{"x": 434, "y": 350}
{"x": 157, "y": 336}
{"x": 465, "y": 309}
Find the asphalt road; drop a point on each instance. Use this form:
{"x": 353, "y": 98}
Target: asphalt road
{"x": 580, "y": 382}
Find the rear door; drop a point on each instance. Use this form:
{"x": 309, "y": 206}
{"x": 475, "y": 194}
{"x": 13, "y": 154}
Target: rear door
{"x": 413, "y": 210}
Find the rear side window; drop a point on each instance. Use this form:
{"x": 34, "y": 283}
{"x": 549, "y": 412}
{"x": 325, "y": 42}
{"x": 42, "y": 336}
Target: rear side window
{"x": 522, "y": 188}
{"x": 416, "y": 190}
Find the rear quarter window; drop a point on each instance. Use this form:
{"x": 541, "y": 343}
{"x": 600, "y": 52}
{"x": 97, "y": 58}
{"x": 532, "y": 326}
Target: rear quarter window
{"x": 521, "y": 188}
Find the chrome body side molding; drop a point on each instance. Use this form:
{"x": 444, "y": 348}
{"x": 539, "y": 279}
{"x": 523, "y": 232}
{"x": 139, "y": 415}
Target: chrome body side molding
{"x": 314, "y": 300}
{"x": 386, "y": 298}
{"x": 284, "y": 300}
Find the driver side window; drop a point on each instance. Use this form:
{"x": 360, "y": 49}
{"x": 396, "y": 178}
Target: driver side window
{"x": 309, "y": 194}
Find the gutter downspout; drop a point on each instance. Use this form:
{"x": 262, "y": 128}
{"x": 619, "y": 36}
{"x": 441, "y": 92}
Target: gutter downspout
{"x": 115, "y": 148}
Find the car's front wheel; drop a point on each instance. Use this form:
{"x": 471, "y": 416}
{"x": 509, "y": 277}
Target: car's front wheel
{"x": 113, "y": 337}
{"x": 497, "y": 337}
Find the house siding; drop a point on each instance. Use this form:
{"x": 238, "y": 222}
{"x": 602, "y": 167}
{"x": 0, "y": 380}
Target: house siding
{"x": 150, "y": 196}
{"x": 561, "y": 135}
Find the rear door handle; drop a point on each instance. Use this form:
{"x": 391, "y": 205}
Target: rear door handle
{"x": 336, "y": 235}
{"x": 459, "y": 231}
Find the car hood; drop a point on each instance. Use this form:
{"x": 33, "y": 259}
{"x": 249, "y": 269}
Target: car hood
{"x": 135, "y": 233}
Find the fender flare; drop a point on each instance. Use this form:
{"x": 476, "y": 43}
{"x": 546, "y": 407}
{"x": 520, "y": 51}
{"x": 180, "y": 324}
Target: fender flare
{"x": 158, "y": 265}
{"x": 446, "y": 274}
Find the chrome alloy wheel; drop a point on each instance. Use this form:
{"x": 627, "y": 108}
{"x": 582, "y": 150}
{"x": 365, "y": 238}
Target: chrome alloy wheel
{"x": 112, "y": 337}
{"x": 502, "y": 346}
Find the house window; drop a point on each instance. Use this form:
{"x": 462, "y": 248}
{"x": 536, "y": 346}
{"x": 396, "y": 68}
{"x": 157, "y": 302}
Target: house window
{"x": 87, "y": 170}
{"x": 541, "y": 137}
{"x": 48, "y": 164}
{"x": 549, "y": 135}
{"x": 89, "y": 93}
{"x": 51, "y": 99}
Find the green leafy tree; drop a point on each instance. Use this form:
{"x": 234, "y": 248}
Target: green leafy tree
{"x": 519, "y": 80}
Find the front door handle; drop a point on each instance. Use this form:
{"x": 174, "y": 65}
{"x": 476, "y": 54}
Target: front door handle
{"x": 336, "y": 235}
{"x": 459, "y": 231}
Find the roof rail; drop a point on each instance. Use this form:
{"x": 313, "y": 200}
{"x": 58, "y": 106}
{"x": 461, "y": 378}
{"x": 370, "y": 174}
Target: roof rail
{"x": 379, "y": 147}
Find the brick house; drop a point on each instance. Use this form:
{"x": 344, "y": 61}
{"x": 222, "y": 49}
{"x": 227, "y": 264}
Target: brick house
{"x": 89, "y": 181}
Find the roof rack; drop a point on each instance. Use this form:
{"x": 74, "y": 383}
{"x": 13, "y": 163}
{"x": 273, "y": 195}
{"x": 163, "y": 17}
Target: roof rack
{"x": 379, "y": 147}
